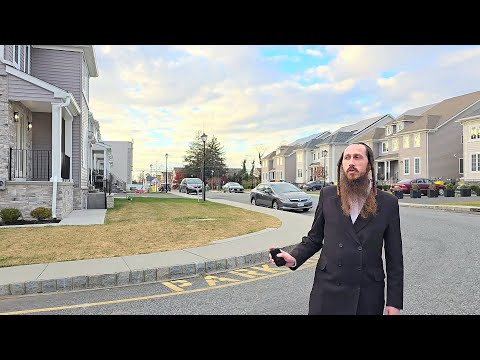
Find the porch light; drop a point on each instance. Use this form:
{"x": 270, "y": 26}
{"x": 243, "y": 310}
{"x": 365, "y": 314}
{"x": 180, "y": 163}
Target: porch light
{"x": 29, "y": 126}
{"x": 15, "y": 116}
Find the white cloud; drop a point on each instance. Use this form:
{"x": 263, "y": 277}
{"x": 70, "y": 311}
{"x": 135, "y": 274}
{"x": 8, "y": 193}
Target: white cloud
{"x": 148, "y": 93}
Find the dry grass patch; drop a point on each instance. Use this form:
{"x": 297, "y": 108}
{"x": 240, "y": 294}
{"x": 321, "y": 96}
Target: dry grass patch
{"x": 140, "y": 226}
{"x": 471, "y": 203}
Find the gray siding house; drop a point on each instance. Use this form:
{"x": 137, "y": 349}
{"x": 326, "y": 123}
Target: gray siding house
{"x": 469, "y": 166}
{"x": 44, "y": 105}
{"x": 424, "y": 142}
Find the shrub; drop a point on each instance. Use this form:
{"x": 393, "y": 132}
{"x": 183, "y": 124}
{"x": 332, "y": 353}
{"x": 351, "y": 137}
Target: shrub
{"x": 475, "y": 188}
{"x": 386, "y": 187}
{"x": 451, "y": 187}
{"x": 10, "y": 215}
{"x": 41, "y": 213}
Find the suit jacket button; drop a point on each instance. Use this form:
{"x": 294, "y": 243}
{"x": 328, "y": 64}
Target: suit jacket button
{"x": 359, "y": 248}
{"x": 339, "y": 283}
{"x": 339, "y": 263}
{"x": 340, "y": 245}
{"x": 359, "y": 268}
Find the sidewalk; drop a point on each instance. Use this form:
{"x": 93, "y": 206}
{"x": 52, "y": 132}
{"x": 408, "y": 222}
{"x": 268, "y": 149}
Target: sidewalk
{"x": 220, "y": 255}
{"x": 242, "y": 251}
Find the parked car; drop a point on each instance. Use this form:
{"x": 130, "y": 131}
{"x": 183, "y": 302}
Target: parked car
{"x": 232, "y": 187}
{"x": 406, "y": 185}
{"x": 315, "y": 185}
{"x": 280, "y": 195}
{"x": 190, "y": 185}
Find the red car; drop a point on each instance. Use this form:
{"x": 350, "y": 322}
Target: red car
{"x": 406, "y": 185}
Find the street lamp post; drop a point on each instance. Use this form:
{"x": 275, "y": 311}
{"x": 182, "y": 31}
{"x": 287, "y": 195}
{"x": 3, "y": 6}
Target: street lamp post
{"x": 324, "y": 155}
{"x": 166, "y": 173}
{"x": 204, "y": 139}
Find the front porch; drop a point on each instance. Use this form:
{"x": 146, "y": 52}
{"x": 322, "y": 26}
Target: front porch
{"x": 387, "y": 171}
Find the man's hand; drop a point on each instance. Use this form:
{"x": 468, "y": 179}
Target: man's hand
{"x": 390, "y": 310}
{"x": 290, "y": 260}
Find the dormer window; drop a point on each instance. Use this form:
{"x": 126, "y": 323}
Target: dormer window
{"x": 389, "y": 130}
{"x": 400, "y": 126}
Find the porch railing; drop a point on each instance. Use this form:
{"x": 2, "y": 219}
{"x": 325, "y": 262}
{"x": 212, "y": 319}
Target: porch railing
{"x": 35, "y": 165}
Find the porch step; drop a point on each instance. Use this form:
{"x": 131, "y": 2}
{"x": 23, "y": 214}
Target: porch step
{"x": 96, "y": 201}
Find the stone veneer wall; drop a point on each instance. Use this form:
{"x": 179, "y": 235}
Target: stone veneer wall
{"x": 28, "y": 195}
{"x": 7, "y": 128}
{"x": 110, "y": 201}
{"x": 79, "y": 198}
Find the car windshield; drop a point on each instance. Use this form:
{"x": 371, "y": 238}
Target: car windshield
{"x": 282, "y": 188}
{"x": 234, "y": 184}
{"x": 404, "y": 181}
{"x": 194, "y": 181}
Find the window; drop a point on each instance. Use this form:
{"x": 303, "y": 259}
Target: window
{"x": 313, "y": 156}
{"x": 473, "y": 132}
{"x": 460, "y": 166}
{"x": 384, "y": 146}
{"x": 299, "y": 173}
{"x": 400, "y": 126}
{"x": 475, "y": 162}
{"x": 300, "y": 156}
{"x": 389, "y": 130}
{"x": 406, "y": 167}
{"x": 406, "y": 141}
{"x": 416, "y": 166}
{"x": 395, "y": 144}
{"x": 26, "y": 59}
{"x": 16, "y": 55}
{"x": 416, "y": 140}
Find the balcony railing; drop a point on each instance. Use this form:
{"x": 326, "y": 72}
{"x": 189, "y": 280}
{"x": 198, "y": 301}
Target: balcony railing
{"x": 35, "y": 165}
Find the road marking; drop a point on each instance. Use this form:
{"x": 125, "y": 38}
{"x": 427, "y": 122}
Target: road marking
{"x": 182, "y": 283}
{"x": 231, "y": 282}
{"x": 212, "y": 280}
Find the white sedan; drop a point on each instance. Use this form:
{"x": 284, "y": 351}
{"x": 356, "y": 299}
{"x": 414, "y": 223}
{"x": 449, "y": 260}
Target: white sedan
{"x": 232, "y": 187}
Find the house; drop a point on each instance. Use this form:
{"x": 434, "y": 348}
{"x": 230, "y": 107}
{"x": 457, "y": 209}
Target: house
{"x": 44, "y": 112}
{"x": 122, "y": 152}
{"x": 280, "y": 164}
{"x": 304, "y": 155}
{"x": 327, "y": 152}
{"x": 423, "y": 142}
{"x": 470, "y": 167}
{"x": 100, "y": 162}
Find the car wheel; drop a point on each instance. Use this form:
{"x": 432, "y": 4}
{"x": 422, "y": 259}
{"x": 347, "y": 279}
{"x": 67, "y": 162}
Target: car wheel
{"x": 441, "y": 192}
{"x": 252, "y": 200}
{"x": 275, "y": 205}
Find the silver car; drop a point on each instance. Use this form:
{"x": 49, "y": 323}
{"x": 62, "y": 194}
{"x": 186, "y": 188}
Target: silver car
{"x": 232, "y": 187}
{"x": 281, "y": 195}
{"x": 190, "y": 185}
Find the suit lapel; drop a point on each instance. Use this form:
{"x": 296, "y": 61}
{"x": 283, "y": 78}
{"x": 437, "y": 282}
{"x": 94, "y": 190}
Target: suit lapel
{"x": 349, "y": 227}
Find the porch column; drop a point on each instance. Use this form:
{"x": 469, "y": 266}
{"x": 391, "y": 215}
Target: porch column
{"x": 68, "y": 139}
{"x": 385, "y": 171}
{"x": 56, "y": 142}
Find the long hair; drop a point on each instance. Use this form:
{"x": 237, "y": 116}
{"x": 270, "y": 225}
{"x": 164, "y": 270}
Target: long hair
{"x": 370, "y": 204}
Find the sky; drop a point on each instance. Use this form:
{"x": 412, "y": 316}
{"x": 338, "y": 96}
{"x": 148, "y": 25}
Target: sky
{"x": 255, "y": 98}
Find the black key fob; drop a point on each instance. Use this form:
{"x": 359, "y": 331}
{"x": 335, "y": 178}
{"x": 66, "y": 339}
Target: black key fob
{"x": 279, "y": 261}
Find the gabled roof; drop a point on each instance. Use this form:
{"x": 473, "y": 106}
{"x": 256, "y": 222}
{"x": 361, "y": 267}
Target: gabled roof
{"x": 269, "y": 156}
{"x": 305, "y": 140}
{"x": 376, "y": 133}
{"x": 360, "y": 125}
{"x": 442, "y": 112}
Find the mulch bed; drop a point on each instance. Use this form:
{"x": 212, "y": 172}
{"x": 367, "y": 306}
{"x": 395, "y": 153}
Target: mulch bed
{"x": 30, "y": 222}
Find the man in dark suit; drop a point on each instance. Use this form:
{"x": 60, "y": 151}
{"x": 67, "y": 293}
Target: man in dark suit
{"x": 353, "y": 223}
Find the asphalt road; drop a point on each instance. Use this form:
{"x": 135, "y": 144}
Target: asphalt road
{"x": 441, "y": 254}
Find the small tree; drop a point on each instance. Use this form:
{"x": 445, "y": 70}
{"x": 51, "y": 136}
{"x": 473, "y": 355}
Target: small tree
{"x": 41, "y": 213}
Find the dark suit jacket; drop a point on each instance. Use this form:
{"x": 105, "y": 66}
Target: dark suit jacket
{"x": 349, "y": 276}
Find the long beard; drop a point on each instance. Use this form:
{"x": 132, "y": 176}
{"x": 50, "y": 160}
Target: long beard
{"x": 357, "y": 190}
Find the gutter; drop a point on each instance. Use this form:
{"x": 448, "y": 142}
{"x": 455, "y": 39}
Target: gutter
{"x": 55, "y": 180}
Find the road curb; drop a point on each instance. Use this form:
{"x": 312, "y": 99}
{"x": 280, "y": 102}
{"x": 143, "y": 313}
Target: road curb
{"x": 452, "y": 208}
{"x": 135, "y": 277}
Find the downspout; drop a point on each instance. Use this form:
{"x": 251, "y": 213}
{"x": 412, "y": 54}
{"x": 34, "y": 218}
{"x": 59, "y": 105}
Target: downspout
{"x": 55, "y": 180}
